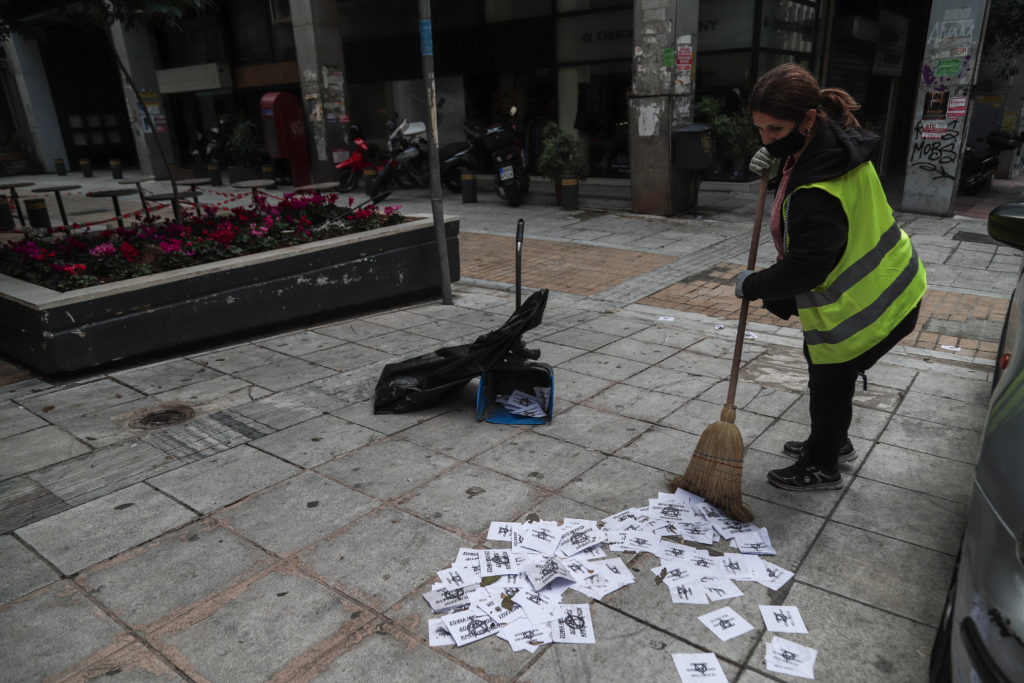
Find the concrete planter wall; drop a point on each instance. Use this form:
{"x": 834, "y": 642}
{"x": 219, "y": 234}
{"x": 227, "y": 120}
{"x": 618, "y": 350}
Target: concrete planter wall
{"x": 57, "y": 332}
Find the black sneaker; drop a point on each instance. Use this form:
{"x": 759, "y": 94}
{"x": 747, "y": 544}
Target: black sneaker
{"x": 846, "y": 452}
{"x": 803, "y": 476}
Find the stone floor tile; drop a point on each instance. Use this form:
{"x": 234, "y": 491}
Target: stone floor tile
{"x": 881, "y": 571}
{"x": 353, "y": 330}
{"x": 23, "y": 501}
{"x": 82, "y": 536}
{"x": 580, "y": 338}
{"x": 696, "y": 416}
{"x": 82, "y": 399}
{"x": 218, "y": 392}
{"x": 15, "y": 419}
{"x": 555, "y": 354}
{"x": 136, "y": 663}
{"x": 619, "y": 325}
{"x": 458, "y": 434}
{"x": 36, "y": 449}
{"x": 316, "y": 441}
{"x": 676, "y": 382}
{"x": 300, "y": 343}
{"x": 223, "y": 478}
{"x": 285, "y": 374}
{"x": 757, "y": 463}
{"x": 165, "y": 577}
{"x": 34, "y": 627}
{"x": 856, "y": 643}
{"x": 260, "y": 631}
{"x": 24, "y": 571}
{"x": 665, "y": 335}
{"x": 110, "y": 425}
{"x": 630, "y": 401}
{"x": 601, "y": 431}
{"x": 866, "y": 423}
{"x": 746, "y": 392}
{"x": 346, "y": 357}
{"x": 906, "y": 515}
{"x": 237, "y": 358}
{"x": 296, "y": 512}
{"x": 382, "y": 652}
{"x": 924, "y": 437}
{"x": 615, "y": 484}
{"x": 577, "y": 386}
{"x": 936, "y": 476}
{"x": 539, "y": 460}
{"x": 284, "y": 409}
{"x": 555, "y": 508}
{"x": 604, "y": 366}
{"x": 948, "y": 412}
{"x": 663, "y": 448}
{"x": 466, "y": 499}
{"x": 372, "y": 469}
{"x": 695, "y": 363}
{"x": 383, "y": 557}
{"x": 957, "y": 388}
{"x": 165, "y": 375}
{"x": 769, "y": 401}
{"x": 639, "y": 350}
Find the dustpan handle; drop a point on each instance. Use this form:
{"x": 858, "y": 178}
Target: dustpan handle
{"x": 741, "y": 327}
{"x": 519, "y": 262}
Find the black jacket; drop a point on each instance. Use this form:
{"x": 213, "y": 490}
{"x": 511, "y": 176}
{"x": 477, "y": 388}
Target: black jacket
{"x": 817, "y": 223}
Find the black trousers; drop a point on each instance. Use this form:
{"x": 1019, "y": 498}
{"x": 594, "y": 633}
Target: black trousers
{"x": 832, "y": 386}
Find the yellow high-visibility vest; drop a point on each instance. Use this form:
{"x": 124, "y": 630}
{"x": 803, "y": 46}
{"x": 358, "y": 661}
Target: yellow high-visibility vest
{"x": 876, "y": 283}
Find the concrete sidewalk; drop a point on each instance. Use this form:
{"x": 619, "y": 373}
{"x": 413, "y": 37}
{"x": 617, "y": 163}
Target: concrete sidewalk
{"x": 284, "y": 532}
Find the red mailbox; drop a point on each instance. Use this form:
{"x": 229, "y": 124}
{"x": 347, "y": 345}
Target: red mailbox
{"x": 284, "y": 133}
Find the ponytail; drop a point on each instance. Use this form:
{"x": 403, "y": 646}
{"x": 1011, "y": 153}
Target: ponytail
{"x": 839, "y": 106}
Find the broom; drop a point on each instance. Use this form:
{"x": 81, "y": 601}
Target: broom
{"x": 715, "y": 471}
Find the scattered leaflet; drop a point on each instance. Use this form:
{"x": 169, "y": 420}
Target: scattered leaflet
{"x": 725, "y": 623}
{"x": 782, "y": 619}
{"x": 700, "y": 667}
{"x": 574, "y": 625}
{"x": 522, "y": 403}
{"x": 786, "y": 657}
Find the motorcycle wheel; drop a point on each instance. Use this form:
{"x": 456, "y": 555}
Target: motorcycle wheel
{"x": 512, "y": 194}
{"x": 405, "y": 179}
{"x": 347, "y": 178}
{"x": 452, "y": 180}
{"x": 383, "y": 185}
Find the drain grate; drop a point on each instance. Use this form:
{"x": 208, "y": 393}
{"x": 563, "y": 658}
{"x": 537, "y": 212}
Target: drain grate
{"x": 164, "y": 416}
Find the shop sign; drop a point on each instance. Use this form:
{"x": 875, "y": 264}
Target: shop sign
{"x": 594, "y": 37}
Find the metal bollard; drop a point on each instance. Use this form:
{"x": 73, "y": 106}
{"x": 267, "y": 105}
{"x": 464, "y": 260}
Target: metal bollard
{"x": 469, "y": 188}
{"x": 214, "y": 171}
{"x": 571, "y": 193}
{"x": 115, "y": 169}
{"x": 86, "y": 167}
{"x": 58, "y": 164}
{"x": 369, "y": 178}
{"x": 38, "y": 217}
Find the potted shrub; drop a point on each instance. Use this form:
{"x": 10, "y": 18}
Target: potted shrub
{"x": 735, "y": 139}
{"x": 243, "y": 150}
{"x": 562, "y": 156}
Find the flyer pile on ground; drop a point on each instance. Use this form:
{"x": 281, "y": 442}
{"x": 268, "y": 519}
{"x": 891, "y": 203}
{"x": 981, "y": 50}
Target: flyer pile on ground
{"x": 528, "y": 405}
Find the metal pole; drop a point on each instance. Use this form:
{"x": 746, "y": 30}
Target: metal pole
{"x": 427, "y": 51}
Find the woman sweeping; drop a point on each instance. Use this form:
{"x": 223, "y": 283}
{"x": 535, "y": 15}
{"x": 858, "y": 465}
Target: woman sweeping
{"x": 844, "y": 264}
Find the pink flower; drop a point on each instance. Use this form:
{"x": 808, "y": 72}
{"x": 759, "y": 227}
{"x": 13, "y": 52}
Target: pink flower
{"x": 105, "y": 249}
{"x": 170, "y": 245}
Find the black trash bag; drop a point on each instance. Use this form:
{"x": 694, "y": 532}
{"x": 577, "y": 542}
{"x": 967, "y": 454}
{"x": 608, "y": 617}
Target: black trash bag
{"x": 426, "y": 380}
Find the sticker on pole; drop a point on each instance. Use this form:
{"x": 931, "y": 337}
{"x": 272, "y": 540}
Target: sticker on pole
{"x": 426, "y": 38}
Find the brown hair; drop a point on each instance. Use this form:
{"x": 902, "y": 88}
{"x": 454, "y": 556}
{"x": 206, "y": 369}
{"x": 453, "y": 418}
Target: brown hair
{"x": 789, "y": 90}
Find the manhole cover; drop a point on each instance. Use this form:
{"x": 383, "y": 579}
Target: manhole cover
{"x": 164, "y": 416}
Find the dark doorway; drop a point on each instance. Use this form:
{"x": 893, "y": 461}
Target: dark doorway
{"x": 86, "y": 88}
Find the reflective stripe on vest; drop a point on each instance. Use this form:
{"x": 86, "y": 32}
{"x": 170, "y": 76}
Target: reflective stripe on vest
{"x": 877, "y": 282}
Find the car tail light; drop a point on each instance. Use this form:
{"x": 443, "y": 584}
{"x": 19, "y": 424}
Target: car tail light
{"x": 1004, "y": 361}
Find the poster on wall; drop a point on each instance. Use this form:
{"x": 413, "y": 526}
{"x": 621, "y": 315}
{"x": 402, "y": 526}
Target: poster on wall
{"x": 935, "y": 103}
{"x": 957, "y": 108}
{"x": 933, "y": 130}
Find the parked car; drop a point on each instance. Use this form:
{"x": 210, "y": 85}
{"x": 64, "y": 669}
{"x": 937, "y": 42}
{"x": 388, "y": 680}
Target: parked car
{"x": 981, "y": 633}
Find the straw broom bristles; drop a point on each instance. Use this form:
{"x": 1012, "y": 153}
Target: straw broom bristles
{"x": 715, "y": 471}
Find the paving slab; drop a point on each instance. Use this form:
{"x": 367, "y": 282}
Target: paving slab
{"x": 596, "y": 429}
{"x": 667, "y": 380}
{"x": 466, "y": 498}
{"x": 157, "y": 377}
{"x": 936, "y": 476}
{"x": 166, "y": 577}
{"x": 24, "y": 571}
{"x": 615, "y": 484}
{"x": 37, "y": 448}
{"x": 457, "y": 433}
{"x": 23, "y": 501}
{"x": 300, "y": 343}
{"x": 383, "y": 557}
{"x": 89, "y": 533}
{"x": 15, "y": 419}
{"x": 296, "y": 512}
{"x": 135, "y": 663}
{"x": 577, "y": 386}
{"x": 285, "y": 373}
{"x": 238, "y": 357}
{"x": 283, "y": 409}
{"x": 662, "y": 448}
{"x": 856, "y": 643}
{"x": 605, "y": 366}
{"x": 918, "y": 518}
{"x": 948, "y": 412}
{"x": 866, "y": 423}
{"x": 316, "y": 441}
{"x": 900, "y": 577}
{"x": 372, "y": 469}
{"x": 539, "y": 460}
{"x": 344, "y": 357}
{"x": 634, "y": 402}
{"x": 223, "y": 478}
{"x": 259, "y": 630}
{"x": 923, "y": 436}
{"x": 91, "y": 397}
{"x": 52, "y": 631}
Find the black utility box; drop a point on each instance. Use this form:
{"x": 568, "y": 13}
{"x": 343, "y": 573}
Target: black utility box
{"x": 693, "y": 147}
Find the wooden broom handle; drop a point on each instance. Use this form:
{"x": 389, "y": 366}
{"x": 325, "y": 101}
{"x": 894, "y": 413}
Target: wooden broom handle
{"x": 741, "y": 327}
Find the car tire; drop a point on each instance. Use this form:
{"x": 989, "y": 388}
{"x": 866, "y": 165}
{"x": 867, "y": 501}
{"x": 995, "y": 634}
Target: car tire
{"x": 940, "y": 666}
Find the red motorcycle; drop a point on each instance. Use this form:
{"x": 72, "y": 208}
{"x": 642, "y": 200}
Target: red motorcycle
{"x": 361, "y": 157}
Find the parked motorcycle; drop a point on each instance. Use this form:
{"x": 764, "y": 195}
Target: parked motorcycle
{"x": 409, "y": 152}
{"x": 497, "y": 149}
{"x": 362, "y": 156}
{"x": 980, "y": 164}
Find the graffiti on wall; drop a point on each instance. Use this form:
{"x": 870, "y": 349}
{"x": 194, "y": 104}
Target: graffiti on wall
{"x": 936, "y": 152}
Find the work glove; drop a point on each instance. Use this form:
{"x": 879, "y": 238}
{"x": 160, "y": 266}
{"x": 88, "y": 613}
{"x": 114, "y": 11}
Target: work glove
{"x": 762, "y": 162}
{"x": 739, "y": 282}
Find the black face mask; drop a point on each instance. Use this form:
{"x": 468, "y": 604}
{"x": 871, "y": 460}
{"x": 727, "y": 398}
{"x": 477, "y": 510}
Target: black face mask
{"x": 791, "y": 144}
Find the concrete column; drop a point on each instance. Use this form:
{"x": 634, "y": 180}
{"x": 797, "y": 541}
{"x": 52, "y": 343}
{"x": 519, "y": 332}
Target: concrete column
{"x": 662, "y": 100}
{"x": 949, "y": 72}
{"x": 322, "y": 77}
{"x": 26, "y": 66}
{"x": 135, "y": 50}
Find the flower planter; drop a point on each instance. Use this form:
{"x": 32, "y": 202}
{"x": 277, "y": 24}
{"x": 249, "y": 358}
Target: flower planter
{"x": 58, "y": 332}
